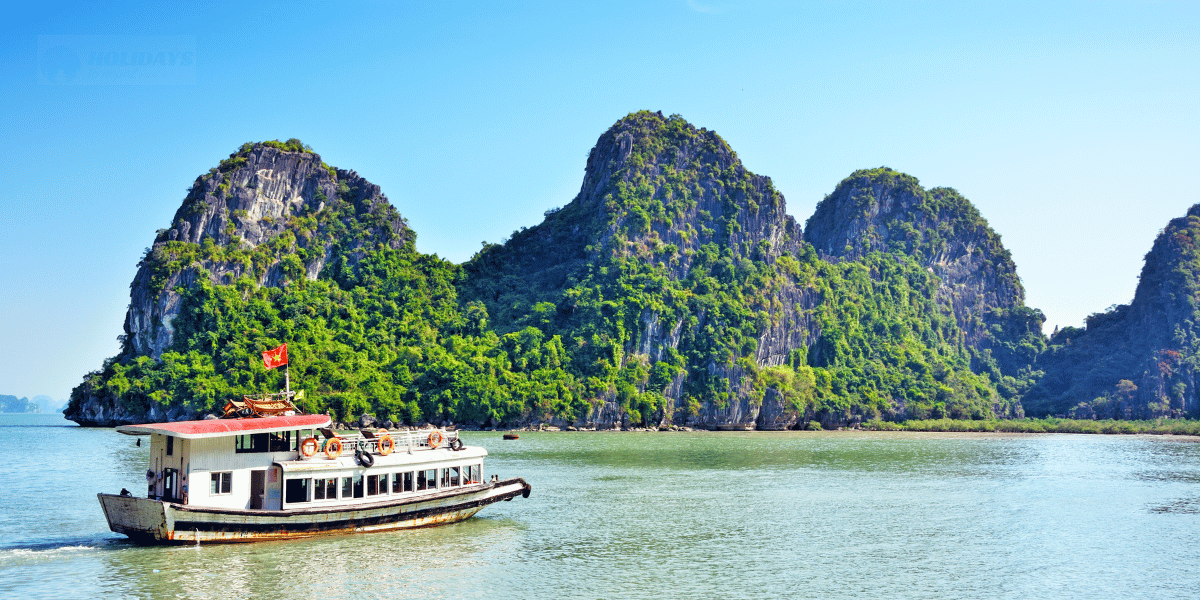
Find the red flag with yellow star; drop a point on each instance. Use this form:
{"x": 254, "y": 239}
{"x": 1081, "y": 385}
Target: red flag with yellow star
{"x": 275, "y": 358}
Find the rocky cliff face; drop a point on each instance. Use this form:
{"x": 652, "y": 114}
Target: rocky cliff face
{"x": 261, "y": 195}
{"x": 270, "y": 214}
{"x": 661, "y": 194}
{"x": 694, "y": 264}
{"x": 1136, "y": 360}
{"x": 674, "y": 289}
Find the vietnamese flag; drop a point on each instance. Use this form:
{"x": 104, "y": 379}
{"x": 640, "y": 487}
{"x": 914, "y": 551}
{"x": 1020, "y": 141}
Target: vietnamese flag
{"x": 275, "y": 358}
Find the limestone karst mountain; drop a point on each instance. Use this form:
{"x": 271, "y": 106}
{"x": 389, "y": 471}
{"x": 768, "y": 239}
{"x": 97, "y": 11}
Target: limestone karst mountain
{"x": 269, "y": 213}
{"x": 674, "y": 289}
{"x": 1136, "y": 360}
{"x": 887, "y": 211}
{"x": 678, "y": 272}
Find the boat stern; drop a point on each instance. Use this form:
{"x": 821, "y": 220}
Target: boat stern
{"x": 139, "y": 518}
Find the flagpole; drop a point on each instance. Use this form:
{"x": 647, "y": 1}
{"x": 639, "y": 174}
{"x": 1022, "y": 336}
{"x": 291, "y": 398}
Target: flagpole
{"x": 287, "y": 378}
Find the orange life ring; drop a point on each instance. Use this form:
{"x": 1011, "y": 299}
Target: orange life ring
{"x": 386, "y": 445}
{"x": 435, "y": 439}
{"x": 308, "y": 447}
{"x": 333, "y": 448}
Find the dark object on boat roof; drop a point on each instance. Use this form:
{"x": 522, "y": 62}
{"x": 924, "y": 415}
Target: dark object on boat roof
{"x": 511, "y": 436}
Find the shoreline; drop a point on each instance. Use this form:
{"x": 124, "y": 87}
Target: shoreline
{"x": 1177, "y": 437}
{"x": 1162, "y": 427}
{"x": 1187, "y": 428}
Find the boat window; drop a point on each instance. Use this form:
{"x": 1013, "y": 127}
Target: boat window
{"x": 220, "y": 483}
{"x": 358, "y": 485}
{"x": 254, "y": 442}
{"x": 347, "y": 487}
{"x": 281, "y": 441}
{"x": 170, "y": 445}
{"x": 301, "y": 435}
{"x": 450, "y": 477}
{"x": 325, "y": 489}
{"x": 427, "y": 480}
{"x": 296, "y": 490}
{"x": 373, "y": 487}
{"x": 402, "y": 482}
{"x": 471, "y": 474}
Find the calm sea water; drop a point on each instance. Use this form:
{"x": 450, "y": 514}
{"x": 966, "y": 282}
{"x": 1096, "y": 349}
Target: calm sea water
{"x": 666, "y": 515}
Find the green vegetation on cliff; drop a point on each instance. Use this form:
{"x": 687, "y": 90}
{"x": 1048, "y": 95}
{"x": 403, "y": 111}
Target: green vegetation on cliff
{"x": 887, "y": 211}
{"x": 386, "y": 337}
{"x": 669, "y": 238}
{"x": 674, "y": 288}
{"x": 1046, "y": 425}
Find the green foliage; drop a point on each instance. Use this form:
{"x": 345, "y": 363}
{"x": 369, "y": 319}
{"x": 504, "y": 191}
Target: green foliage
{"x": 883, "y": 345}
{"x": 292, "y": 145}
{"x": 1047, "y": 425}
{"x": 559, "y": 318}
{"x": 387, "y": 337}
{"x": 348, "y": 223}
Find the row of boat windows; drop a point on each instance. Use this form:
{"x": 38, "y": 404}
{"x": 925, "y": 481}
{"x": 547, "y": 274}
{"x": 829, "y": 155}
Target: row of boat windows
{"x": 279, "y": 441}
{"x": 360, "y": 486}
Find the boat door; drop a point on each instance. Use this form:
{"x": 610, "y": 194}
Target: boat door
{"x": 171, "y": 485}
{"x": 258, "y": 488}
{"x": 274, "y": 489}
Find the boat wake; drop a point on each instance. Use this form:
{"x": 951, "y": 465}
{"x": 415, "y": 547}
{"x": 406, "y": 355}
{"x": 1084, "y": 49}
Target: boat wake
{"x": 54, "y": 549}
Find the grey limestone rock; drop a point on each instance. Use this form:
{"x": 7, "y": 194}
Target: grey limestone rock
{"x": 248, "y": 203}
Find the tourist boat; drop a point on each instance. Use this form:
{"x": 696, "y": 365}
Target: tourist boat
{"x": 250, "y": 478}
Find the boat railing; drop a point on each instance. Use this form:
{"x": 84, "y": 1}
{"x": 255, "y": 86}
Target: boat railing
{"x": 404, "y": 441}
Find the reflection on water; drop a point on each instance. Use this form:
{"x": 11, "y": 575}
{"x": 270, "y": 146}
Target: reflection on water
{"x": 629, "y": 515}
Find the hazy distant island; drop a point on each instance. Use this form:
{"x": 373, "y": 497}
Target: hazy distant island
{"x": 673, "y": 290}
{"x": 13, "y": 404}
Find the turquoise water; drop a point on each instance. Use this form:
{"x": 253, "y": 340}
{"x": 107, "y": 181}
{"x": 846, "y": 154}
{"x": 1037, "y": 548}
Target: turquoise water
{"x": 667, "y": 515}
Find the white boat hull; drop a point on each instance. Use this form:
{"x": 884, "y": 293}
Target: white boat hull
{"x": 160, "y": 522}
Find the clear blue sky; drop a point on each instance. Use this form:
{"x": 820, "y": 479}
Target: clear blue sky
{"x": 1073, "y": 126}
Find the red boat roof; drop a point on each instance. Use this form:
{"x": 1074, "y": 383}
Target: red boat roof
{"x": 224, "y": 427}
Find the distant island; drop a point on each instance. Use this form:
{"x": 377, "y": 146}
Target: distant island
{"x": 13, "y": 404}
{"x": 674, "y": 290}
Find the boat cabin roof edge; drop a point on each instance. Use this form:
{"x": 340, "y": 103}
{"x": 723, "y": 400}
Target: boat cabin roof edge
{"x": 191, "y": 430}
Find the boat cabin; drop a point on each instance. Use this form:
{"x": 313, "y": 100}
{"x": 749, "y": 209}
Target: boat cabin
{"x": 292, "y": 462}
